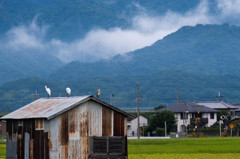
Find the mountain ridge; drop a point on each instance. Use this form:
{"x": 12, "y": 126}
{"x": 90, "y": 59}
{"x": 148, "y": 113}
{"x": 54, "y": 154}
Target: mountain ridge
{"x": 206, "y": 49}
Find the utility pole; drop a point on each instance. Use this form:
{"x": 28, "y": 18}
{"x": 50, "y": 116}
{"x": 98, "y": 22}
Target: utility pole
{"x": 177, "y": 95}
{"x": 220, "y": 122}
{"x": 138, "y": 105}
{"x": 165, "y": 123}
{"x": 185, "y": 118}
{"x": 35, "y": 95}
{"x": 110, "y": 97}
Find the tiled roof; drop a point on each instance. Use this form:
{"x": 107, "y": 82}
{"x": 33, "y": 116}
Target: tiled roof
{"x": 188, "y": 106}
{"x": 217, "y": 105}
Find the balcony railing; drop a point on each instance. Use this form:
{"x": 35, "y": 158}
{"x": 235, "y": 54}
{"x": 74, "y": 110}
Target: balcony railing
{"x": 200, "y": 121}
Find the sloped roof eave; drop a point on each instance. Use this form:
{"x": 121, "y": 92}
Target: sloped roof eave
{"x": 54, "y": 107}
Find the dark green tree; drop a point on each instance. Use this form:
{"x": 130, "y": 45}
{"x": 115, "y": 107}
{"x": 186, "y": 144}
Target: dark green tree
{"x": 159, "y": 107}
{"x": 158, "y": 119}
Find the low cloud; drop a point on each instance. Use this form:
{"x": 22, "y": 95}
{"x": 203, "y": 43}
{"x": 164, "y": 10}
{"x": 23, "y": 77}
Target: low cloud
{"x": 229, "y": 7}
{"x": 102, "y": 44}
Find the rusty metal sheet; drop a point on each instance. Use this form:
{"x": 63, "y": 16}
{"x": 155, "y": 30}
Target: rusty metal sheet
{"x": 26, "y": 145}
{"x": 51, "y": 107}
{"x": 125, "y": 126}
{"x": 67, "y": 134}
{"x": 53, "y": 134}
{"x": 31, "y": 149}
{"x": 46, "y": 146}
{"x": 95, "y": 119}
{"x": 63, "y": 151}
{"x": 106, "y": 122}
{"x": 45, "y": 107}
{"x": 84, "y": 147}
{"x": 74, "y": 147}
{"x": 63, "y": 129}
{"x": 12, "y": 146}
{"x": 78, "y": 132}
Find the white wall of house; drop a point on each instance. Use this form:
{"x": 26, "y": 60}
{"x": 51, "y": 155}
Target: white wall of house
{"x": 133, "y": 124}
{"x": 182, "y": 122}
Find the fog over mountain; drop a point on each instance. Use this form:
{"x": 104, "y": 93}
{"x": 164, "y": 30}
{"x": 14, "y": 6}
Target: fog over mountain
{"x": 141, "y": 29}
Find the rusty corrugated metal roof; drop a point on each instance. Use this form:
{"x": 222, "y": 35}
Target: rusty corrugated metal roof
{"x": 46, "y": 107}
{"x": 51, "y": 107}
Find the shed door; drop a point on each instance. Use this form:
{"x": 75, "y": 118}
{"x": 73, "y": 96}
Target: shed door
{"x": 118, "y": 124}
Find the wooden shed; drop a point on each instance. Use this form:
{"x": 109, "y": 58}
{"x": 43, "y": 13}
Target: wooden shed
{"x": 67, "y": 127}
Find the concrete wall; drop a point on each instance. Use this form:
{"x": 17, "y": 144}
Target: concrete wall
{"x": 133, "y": 124}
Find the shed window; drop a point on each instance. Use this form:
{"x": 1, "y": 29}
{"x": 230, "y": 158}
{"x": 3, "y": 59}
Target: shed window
{"x": 211, "y": 115}
{"x": 39, "y": 124}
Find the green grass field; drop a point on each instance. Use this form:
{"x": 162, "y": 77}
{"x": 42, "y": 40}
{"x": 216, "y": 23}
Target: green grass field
{"x": 190, "y": 148}
{"x": 2, "y": 150}
{"x": 202, "y": 148}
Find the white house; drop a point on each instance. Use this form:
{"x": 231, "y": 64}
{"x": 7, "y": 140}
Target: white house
{"x": 132, "y": 124}
{"x": 187, "y": 113}
{"x": 220, "y": 105}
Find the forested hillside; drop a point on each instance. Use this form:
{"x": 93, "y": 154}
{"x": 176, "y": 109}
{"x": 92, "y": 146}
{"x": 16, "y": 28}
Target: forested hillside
{"x": 156, "y": 89}
{"x": 203, "y": 49}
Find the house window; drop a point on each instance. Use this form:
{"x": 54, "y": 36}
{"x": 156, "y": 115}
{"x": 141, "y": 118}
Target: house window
{"x": 196, "y": 115}
{"x": 232, "y": 113}
{"x": 211, "y": 115}
{"x": 184, "y": 116}
{"x": 181, "y": 115}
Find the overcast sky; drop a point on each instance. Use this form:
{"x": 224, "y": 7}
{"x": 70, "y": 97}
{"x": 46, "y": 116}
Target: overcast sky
{"x": 102, "y": 44}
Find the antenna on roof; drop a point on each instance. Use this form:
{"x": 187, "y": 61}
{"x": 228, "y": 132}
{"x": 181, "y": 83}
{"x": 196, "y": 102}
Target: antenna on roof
{"x": 35, "y": 95}
{"x": 177, "y": 95}
{"x": 219, "y": 97}
{"x": 68, "y": 90}
{"x": 48, "y": 90}
{"x": 98, "y": 92}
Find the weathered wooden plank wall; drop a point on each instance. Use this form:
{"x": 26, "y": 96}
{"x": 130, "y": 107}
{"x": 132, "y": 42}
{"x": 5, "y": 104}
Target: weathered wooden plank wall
{"x": 119, "y": 124}
{"x": 107, "y": 122}
{"x": 23, "y": 141}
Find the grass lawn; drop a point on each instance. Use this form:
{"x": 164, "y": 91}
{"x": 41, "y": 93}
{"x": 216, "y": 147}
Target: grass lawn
{"x": 190, "y": 148}
{"x": 203, "y": 148}
{"x": 2, "y": 150}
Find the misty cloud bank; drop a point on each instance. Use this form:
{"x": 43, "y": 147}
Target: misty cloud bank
{"x": 102, "y": 44}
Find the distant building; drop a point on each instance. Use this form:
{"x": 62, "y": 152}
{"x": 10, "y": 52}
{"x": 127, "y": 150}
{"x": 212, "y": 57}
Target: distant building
{"x": 187, "y": 113}
{"x": 67, "y": 127}
{"x": 237, "y": 111}
{"x": 220, "y": 105}
{"x": 132, "y": 124}
{"x": 3, "y": 128}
